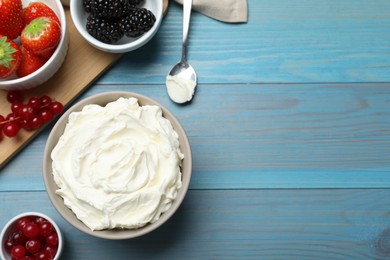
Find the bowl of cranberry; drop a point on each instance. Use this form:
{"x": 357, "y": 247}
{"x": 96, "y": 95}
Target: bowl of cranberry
{"x": 117, "y": 26}
{"x": 31, "y": 235}
{"x": 33, "y": 42}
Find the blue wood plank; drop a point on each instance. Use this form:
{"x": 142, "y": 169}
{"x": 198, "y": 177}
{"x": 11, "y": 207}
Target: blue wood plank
{"x": 284, "y": 41}
{"x": 265, "y": 136}
{"x": 258, "y": 224}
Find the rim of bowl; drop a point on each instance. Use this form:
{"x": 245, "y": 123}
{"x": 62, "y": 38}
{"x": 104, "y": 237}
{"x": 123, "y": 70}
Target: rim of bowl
{"x": 62, "y": 18}
{"x": 115, "y": 48}
{"x": 67, "y": 213}
{"x": 26, "y": 214}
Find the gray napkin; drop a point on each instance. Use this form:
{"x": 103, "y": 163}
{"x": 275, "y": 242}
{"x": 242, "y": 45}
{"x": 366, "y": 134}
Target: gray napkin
{"x": 230, "y": 11}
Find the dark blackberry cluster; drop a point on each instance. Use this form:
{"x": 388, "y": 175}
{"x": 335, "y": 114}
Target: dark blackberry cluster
{"x": 139, "y": 21}
{"x": 110, "y": 20}
{"x": 104, "y": 29}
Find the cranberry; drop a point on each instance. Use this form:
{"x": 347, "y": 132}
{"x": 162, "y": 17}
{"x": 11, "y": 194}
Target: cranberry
{"x": 33, "y": 245}
{"x": 52, "y": 239}
{"x": 18, "y": 251}
{"x": 31, "y": 230}
{"x": 45, "y": 228}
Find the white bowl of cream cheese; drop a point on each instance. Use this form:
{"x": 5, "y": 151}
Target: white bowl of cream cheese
{"x": 117, "y": 165}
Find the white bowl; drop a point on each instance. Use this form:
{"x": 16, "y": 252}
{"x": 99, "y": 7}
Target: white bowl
{"x": 51, "y": 187}
{"x": 51, "y": 66}
{"x": 126, "y": 44}
{"x": 11, "y": 227}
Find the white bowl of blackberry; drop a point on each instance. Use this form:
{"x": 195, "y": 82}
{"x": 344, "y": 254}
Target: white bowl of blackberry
{"x": 117, "y": 26}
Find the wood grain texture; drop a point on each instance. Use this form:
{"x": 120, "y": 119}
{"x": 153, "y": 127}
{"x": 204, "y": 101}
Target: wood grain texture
{"x": 228, "y": 224}
{"x": 268, "y": 136}
{"x": 283, "y": 41}
{"x": 82, "y": 65}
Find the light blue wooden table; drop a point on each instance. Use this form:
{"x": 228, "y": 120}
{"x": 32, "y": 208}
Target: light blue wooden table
{"x": 290, "y": 133}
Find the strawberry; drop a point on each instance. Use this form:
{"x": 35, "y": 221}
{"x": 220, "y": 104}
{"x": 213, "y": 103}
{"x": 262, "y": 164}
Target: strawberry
{"x": 41, "y": 36}
{"x": 38, "y": 9}
{"x": 30, "y": 63}
{"x": 11, "y": 18}
{"x": 10, "y": 56}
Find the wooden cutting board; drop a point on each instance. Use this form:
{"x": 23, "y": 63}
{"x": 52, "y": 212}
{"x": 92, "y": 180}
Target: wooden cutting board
{"x": 83, "y": 64}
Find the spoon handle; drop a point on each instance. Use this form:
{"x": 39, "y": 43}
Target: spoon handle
{"x": 187, "y": 7}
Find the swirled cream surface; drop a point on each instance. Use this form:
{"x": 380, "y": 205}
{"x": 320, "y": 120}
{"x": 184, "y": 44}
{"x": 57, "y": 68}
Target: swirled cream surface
{"x": 118, "y": 166}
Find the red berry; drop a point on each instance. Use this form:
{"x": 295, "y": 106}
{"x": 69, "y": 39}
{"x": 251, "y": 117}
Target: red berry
{"x": 11, "y": 55}
{"x": 18, "y": 251}
{"x": 56, "y": 107}
{"x": 22, "y": 222}
{"x": 31, "y": 230}
{"x": 45, "y": 228}
{"x": 43, "y": 255}
{"x": 35, "y": 102}
{"x": 8, "y": 246}
{"x": 52, "y": 249}
{"x": 2, "y": 119}
{"x": 26, "y": 112}
{"x": 36, "y": 122}
{"x": 11, "y": 129}
{"x": 39, "y": 220}
{"x": 16, "y": 106}
{"x": 17, "y": 238}
{"x": 52, "y": 239}
{"x": 33, "y": 245}
{"x": 26, "y": 124}
{"x": 13, "y": 96}
{"x": 45, "y": 100}
{"x": 46, "y": 114}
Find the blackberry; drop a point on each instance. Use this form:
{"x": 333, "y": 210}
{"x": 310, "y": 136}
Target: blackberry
{"x": 103, "y": 29}
{"x": 137, "y": 22}
{"x": 108, "y": 8}
{"x": 135, "y": 2}
{"x": 87, "y": 5}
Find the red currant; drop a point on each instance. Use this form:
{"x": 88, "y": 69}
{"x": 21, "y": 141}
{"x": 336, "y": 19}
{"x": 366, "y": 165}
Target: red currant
{"x": 2, "y": 119}
{"x": 26, "y": 112}
{"x": 13, "y": 96}
{"x": 26, "y": 124}
{"x": 36, "y": 122}
{"x": 11, "y": 129}
{"x": 45, "y": 114}
{"x": 45, "y": 228}
{"x": 56, "y": 107}
{"x": 35, "y": 102}
{"x": 16, "y": 106}
{"x": 33, "y": 245}
{"x": 31, "y": 230}
{"x": 45, "y": 100}
{"x": 18, "y": 251}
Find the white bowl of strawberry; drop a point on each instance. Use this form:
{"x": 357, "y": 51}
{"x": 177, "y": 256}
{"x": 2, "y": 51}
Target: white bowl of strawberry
{"x": 31, "y": 235}
{"x": 33, "y": 42}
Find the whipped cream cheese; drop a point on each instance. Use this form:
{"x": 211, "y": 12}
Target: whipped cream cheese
{"x": 118, "y": 166}
{"x": 180, "y": 89}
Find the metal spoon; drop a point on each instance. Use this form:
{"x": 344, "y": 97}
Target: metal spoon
{"x": 183, "y": 72}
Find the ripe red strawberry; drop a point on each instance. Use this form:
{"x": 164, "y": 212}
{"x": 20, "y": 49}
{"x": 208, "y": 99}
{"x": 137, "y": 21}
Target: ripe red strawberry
{"x": 38, "y": 9}
{"x": 11, "y": 18}
{"x": 30, "y": 63}
{"x": 41, "y": 36}
{"x": 10, "y": 56}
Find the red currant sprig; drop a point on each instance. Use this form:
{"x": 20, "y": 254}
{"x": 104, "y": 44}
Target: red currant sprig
{"x": 29, "y": 116}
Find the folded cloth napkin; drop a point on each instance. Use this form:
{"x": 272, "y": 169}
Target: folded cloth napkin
{"x": 230, "y": 11}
